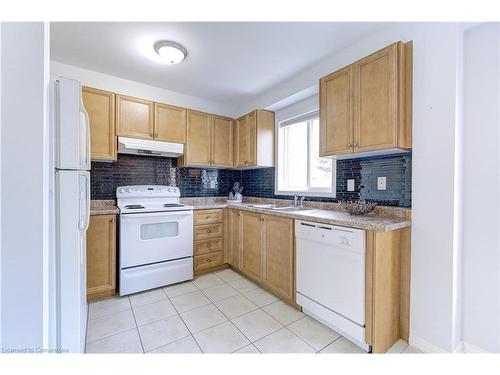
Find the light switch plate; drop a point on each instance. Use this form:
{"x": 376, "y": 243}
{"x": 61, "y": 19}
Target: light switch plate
{"x": 350, "y": 185}
{"x": 381, "y": 183}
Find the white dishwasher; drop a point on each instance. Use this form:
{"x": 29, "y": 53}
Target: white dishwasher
{"x": 331, "y": 277}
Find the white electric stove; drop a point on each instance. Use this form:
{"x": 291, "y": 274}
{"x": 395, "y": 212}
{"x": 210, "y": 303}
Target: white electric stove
{"x": 155, "y": 237}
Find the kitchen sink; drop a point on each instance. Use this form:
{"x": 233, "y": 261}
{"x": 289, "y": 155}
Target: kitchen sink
{"x": 276, "y": 207}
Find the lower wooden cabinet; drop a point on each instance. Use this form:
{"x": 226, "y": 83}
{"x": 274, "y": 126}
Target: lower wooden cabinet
{"x": 101, "y": 256}
{"x": 208, "y": 240}
{"x": 233, "y": 238}
{"x": 278, "y": 255}
{"x": 262, "y": 247}
{"x": 251, "y": 245}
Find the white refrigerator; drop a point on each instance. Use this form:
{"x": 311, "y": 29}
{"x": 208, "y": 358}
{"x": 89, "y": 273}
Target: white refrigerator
{"x": 72, "y": 213}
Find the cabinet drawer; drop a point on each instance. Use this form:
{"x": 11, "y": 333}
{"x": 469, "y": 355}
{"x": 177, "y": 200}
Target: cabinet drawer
{"x": 209, "y": 246}
{"x": 204, "y": 232}
{"x": 207, "y": 261}
{"x": 208, "y": 217}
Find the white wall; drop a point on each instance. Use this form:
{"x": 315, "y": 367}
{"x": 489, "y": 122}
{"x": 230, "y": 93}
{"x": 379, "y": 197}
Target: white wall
{"x": 481, "y": 189}
{"x": 140, "y": 90}
{"x": 434, "y": 311}
{"x": 24, "y": 172}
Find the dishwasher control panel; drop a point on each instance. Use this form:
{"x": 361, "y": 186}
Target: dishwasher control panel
{"x": 341, "y": 237}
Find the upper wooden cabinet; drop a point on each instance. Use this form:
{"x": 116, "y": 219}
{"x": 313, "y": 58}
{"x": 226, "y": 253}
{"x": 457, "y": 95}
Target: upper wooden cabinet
{"x": 100, "y": 106}
{"x": 134, "y": 117}
{"x": 364, "y": 106}
{"x": 336, "y": 123}
{"x": 222, "y": 141}
{"x": 198, "y": 136}
{"x": 169, "y": 123}
{"x": 209, "y": 140}
{"x": 255, "y": 135}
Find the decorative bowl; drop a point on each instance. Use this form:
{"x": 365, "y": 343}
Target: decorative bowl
{"x": 357, "y": 207}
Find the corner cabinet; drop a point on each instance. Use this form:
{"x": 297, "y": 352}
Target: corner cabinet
{"x": 254, "y": 146}
{"x": 262, "y": 247}
{"x": 101, "y": 257}
{"x": 209, "y": 140}
{"x": 366, "y": 106}
{"x": 134, "y": 117}
{"x": 100, "y": 106}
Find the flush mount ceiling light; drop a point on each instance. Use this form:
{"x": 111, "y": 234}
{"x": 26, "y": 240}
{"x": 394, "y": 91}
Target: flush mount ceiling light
{"x": 170, "y": 52}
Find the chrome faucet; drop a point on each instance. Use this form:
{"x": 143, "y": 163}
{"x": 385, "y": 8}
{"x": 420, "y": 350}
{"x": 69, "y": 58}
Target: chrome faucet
{"x": 302, "y": 201}
{"x": 295, "y": 199}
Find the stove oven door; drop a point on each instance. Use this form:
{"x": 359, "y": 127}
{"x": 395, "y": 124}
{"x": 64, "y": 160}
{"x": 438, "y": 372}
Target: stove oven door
{"x": 153, "y": 237}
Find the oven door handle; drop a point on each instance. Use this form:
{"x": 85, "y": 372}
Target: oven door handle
{"x": 142, "y": 215}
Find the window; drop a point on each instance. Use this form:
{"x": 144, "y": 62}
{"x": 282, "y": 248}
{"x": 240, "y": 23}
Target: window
{"x": 300, "y": 169}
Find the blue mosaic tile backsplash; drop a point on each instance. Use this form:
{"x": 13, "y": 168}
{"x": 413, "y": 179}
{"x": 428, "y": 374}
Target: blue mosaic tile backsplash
{"x": 364, "y": 171}
{"x": 198, "y": 182}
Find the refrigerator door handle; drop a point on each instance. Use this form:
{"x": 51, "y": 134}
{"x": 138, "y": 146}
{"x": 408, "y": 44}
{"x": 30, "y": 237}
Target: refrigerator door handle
{"x": 87, "y": 155}
{"x": 84, "y": 198}
{"x": 87, "y": 204}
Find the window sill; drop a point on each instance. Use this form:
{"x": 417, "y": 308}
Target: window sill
{"x": 306, "y": 194}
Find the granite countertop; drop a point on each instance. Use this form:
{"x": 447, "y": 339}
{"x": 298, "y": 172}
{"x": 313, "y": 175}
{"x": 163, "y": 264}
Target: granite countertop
{"x": 331, "y": 215}
{"x": 103, "y": 207}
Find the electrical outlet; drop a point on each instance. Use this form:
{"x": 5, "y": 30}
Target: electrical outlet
{"x": 212, "y": 184}
{"x": 350, "y": 185}
{"x": 382, "y": 183}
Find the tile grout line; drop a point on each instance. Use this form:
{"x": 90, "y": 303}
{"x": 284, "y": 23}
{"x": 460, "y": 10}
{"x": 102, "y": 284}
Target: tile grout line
{"x": 136, "y": 326}
{"x": 230, "y": 321}
{"x": 183, "y": 322}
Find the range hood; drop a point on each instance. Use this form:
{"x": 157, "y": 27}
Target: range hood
{"x": 149, "y": 148}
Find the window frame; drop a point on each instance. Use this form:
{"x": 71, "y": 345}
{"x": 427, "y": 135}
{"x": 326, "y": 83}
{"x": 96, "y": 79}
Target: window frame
{"x": 290, "y": 117}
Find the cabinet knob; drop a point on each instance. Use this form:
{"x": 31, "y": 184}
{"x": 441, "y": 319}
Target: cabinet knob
{"x": 355, "y": 145}
{"x": 209, "y": 260}
{"x": 349, "y": 145}
{"x": 208, "y": 245}
{"x": 207, "y": 217}
{"x": 209, "y": 230}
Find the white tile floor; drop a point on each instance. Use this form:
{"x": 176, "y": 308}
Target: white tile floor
{"x": 220, "y": 312}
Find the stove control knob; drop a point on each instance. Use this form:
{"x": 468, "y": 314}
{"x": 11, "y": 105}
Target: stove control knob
{"x": 121, "y": 191}
{"x": 129, "y": 190}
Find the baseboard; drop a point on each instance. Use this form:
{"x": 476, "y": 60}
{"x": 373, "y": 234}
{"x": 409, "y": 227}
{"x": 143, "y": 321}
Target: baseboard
{"x": 424, "y": 345}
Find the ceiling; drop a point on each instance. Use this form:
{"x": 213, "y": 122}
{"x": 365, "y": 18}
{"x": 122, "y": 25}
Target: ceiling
{"x": 227, "y": 62}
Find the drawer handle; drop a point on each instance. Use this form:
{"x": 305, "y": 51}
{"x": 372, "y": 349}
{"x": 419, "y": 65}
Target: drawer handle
{"x": 207, "y": 217}
{"x": 208, "y": 245}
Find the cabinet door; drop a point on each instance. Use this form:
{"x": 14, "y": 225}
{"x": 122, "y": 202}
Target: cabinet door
{"x": 252, "y": 138}
{"x": 100, "y": 106}
{"x": 251, "y": 245}
{"x": 170, "y": 123}
{"x": 375, "y": 116}
{"x": 336, "y": 113}
{"x": 101, "y": 258}
{"x": 241, "y": 125}
{"x": 278, "y": 255}
{"x": 134, "y": 117}
{"x": 199, "y": 127}
{"x": 234, "y": 232}
{"x": 222, "y": 141}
